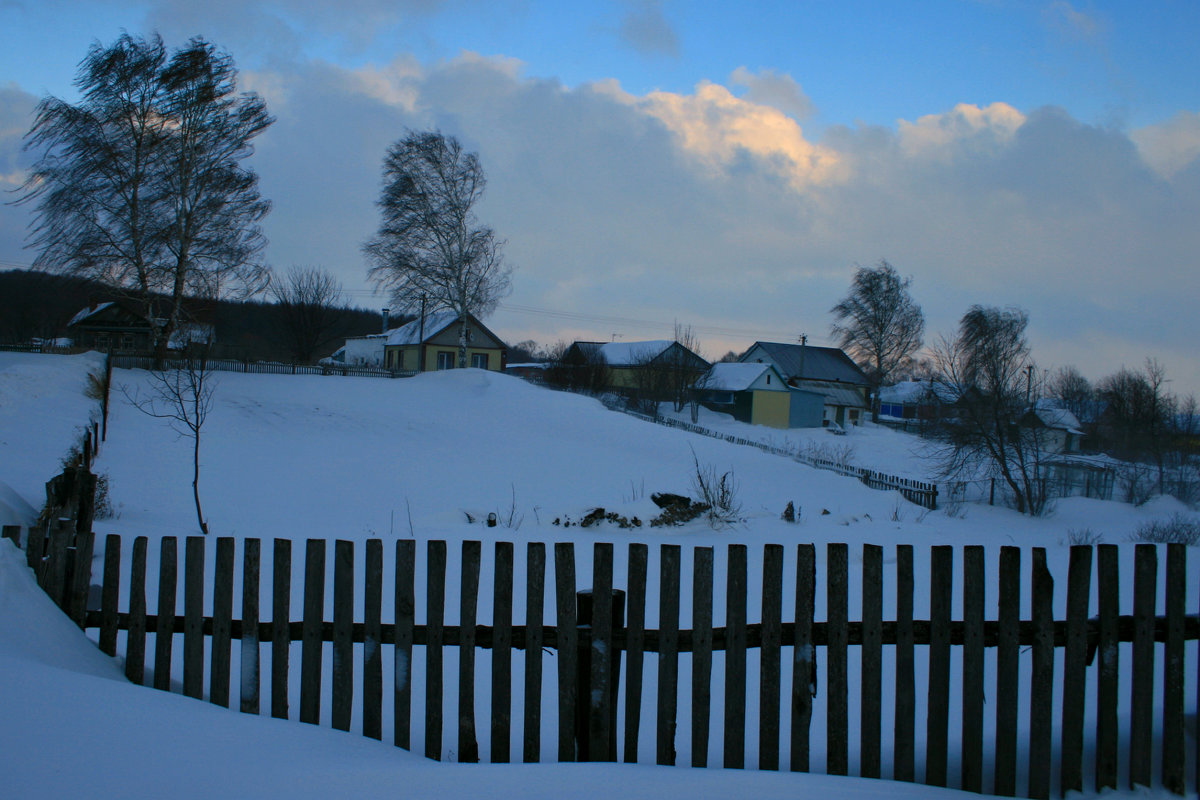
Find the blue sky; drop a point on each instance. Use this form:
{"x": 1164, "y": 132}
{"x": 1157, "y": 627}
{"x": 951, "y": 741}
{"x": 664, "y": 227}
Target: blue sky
{"x": 726, "y": 166}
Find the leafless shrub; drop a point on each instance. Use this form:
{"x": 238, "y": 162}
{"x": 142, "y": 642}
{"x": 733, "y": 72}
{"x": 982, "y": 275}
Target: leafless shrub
{"x": 1178, "y": 529}
{"x": 1084, "y": 536}
{"x": 717, "y": 490}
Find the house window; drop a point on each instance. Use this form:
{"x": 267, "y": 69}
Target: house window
{"x": 479, "y": 360}
{"x": 854, "y": 416}
{"x": 445, "y": 360}
{"x": 127, "y": 341}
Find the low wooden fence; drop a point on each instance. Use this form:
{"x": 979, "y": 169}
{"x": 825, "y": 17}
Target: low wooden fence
{"x": 589, "y": 642}
{"x": 130, "y": 361}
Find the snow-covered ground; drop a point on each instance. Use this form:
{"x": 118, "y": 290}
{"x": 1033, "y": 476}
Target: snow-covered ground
{"x": 357, "y": 458}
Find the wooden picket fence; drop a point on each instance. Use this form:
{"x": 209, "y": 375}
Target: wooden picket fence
{"x": 589, "y": 640}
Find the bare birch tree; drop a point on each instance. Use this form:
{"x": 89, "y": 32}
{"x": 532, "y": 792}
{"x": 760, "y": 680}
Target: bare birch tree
{"x": 430, "y": 243}
{"x": 878, "y": 324}
{"x": 311, "y": 311}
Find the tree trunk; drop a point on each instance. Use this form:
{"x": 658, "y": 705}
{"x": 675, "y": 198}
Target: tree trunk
{"x": 196, "y": 484}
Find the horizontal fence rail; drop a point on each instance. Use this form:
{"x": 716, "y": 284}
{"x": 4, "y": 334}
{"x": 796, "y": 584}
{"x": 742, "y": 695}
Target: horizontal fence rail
{"x": 1087, "y": 681}
{"x": 148, "y": 362}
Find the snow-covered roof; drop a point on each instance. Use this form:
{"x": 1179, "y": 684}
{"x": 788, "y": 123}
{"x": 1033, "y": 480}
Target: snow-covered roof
{"x": 86, "y": 312}
{"x": 1058, "y": 418}
{"x": 806, "y": 362}
{"x": 627, "y": 354}
{"x": 734, "y": 377}
{"x": 410, "y": 333}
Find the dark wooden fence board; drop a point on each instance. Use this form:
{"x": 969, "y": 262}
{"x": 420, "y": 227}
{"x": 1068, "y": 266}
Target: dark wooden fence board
{"x": 468, "y": 742}
{"x": 1079, "y": 595}
{"x": 702, "y": 649}
{"x": 974, "y": 579}
{"x": 164, "y": 630}
{"x": 81, "y": 577}
{"x": 535, "y": 599}
{"x": 770, "y": 683}
{"x": 312, "y": 635}
{"x": 568, "y": 646}
{"x": 1008, "y": 667}
{"x": 343, "y": 635}
{"x": 193, "y": 617}
{"x": 634, "y": 652}
{"x": 804, "y": 658}
{"x": 1174, "y": 736}
{"x": 837, "y": 683}
{"x": 1141, "y": 734}
{"x": 250, "y": 673}
{"x": 373, "y": 640}
{"x": 735, "y": 658}
{"x": 668, "y": 654}
{"x": 937, "y": 715}
{"x": 904, "y": 763}
{"x": 110, "y": 594}
{"x": 402, "y": 640}
{"x": 281, "y": 640}
{"x": 1107, "y": 670}
{"x": 222, "y": 630}
{"x": 871, "y": 692}
{"x": 601, "y": 739}
{"x": 435, "y": 599}
{"x": 502, "y": 608}
{"x": 135, "y": 639}
{"x": 1041, "y": 691}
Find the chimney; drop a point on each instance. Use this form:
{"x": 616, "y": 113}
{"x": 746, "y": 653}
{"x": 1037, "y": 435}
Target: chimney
{"x": 385, "y": 320}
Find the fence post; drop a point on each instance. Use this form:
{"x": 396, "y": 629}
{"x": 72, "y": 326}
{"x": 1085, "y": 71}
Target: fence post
{"x": 603, "y": 707}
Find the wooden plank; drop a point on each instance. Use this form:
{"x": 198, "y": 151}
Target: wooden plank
{"x": 1141, "y": 734}
{"x": 770, "y": 683}
{"x": 35, "y": 551}
{"x": 837, "y": 758}
{"x": 937, "y": 715}
{"x": 435, "y": 603}
{"x": 110, "y": 594}
{"x": 1041, "y": 693}
{"x": 905, "y": 725}
{"x": 468, "y": 742}
{"x": 804, "y": 658}
{"x": 634, "y": 648}
{"x": 1079, "y": 594}
{"x": 13, "y": 533}
{"x": 702, "y": 648}
{"x": 568, "y": 643}
{"x": 1107, "y": 670}
{"x": 1173, "y": 733}
{"x": 135, "y": 639}
{"x": 871, "y": 705}
{"x": 281, "y": 640}
{"x": 193, "y": 617}
{"x": 250, "y": 673}
{"x": 735, "y": 659}
{"x": 535, "y": 600}
{"x": 668, "y": 654}
{"x": 502, "y": 612}
{"x": 311, "y": 634}
{"x": 81, "y": 577}
{"x": 222, "y": 624}
{"x": 1008, "y": 654}
{"x": 974, "y": 580}
{"x": 601, "y": 710}
{"x": 406, "y": 602}
{"x": 164, "y": 631}
{"x": 55, "y": 577}
{"x": 373, "y": 641}
{"x": 343, "y": 635}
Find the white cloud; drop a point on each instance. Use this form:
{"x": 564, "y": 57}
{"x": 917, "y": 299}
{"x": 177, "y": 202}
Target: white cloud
{"x": 1170, "y": 146}
{"x": 773, "y": 88}
{"x": 936, "y": 135}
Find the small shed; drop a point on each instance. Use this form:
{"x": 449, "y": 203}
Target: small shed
{"x": 757, "y": 393}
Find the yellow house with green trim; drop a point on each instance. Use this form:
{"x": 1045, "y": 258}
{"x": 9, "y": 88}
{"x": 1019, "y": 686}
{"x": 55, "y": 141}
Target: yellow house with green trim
{"x": 758, "y": 394}
{"x": 430, "y": 344}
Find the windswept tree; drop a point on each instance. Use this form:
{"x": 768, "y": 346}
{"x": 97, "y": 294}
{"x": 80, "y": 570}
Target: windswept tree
{"x": 311, "y": 310}
{"x": 140, "y": 185}
{"x": 430, "y": 245}
{"x": 988, "y": 369}
{"x": 878, "y": 324}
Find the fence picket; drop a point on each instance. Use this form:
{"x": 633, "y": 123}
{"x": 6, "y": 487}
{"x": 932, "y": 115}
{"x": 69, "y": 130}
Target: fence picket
{"x": 668, "y": 653}
{"x": 250, "y": 674}
{"x": 535, "y": 598}
{"x": 222, "y": 628}
{"x": 435, "y": 598}
{"x": 871, "y": 708}
{"x": 769, "y": 670}
{"x": 837, "y": 685}
{"x": 311, "y": 636}
{"x": 1107, "y": 670}
{"x": 974, "y": 581}
{"x": 735, "y": 658}
{"x": 1079, "y": 593}
{"x": 110, "y": 594}
{"x": 635, "y": 639}
{"x": 804, "y": 658}
{"x": 702, "y": 649}
{"x": 402, "y": 641}
{"x": 1041, "y": 693}
{"x": 1141, "y": 734}
{"x": 601, "y": 718}
{"x": 937, "y": 717}
{"x": 135, "y": 638}
{"x": 281, "y": 640}
{"x": 193, "y": 617}
{"x": 1007, "y": 672}
{"x": 905, "y": 727}
{"x": 164, "y": 629}
{"x": 468, "y": 743}
{"x": 1173, "y": 732}
{"x": 568, "y": 646}
{"x": 81, "y": 578}
{"x": 502, "y": 603}
{"x": 373, "y": 641}
{"x": 343, "y": 635}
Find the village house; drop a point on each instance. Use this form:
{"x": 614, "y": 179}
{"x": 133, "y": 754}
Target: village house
{"x": 119, "y": 326}
{"x": 654, "y": 370}
{"x": 758, "y": 394}
{"x": 825, "y": 370}
{"x": 431, "y": 343}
